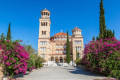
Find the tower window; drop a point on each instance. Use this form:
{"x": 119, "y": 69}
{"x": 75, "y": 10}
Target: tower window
{"x": 43, "y": 49}
{"x": 78, "y": 48}
{"x": 43, "y": 33}
{"x": 78, "y": 42}
{"x": 43, "y": 42}
{"x": 41, "y": 23}
{"x": 46, "y": 23}
{"x": 44, "y": 13}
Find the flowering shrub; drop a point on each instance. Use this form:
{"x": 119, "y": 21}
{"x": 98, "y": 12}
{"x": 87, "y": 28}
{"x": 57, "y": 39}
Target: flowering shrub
{"x": 15, "y": 58}
{"x": 103, "y": 56}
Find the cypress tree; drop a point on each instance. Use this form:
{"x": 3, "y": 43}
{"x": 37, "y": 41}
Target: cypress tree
{"x": 77, "y": 54}
{"x": 2, "y": 37}
{"x": 9, "y": 33}
{"x": 102, "y": 21}
{"x": 113, "y": 33}
{"x": 68, "y": 50}
{"x": 97, "y": 38}
{"x": 93, "y": 38}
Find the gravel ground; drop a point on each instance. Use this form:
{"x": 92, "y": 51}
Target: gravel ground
{"x": 61, "y": 73}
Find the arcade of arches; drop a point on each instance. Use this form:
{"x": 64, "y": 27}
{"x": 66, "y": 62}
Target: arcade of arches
{"x": 58, "y": 59}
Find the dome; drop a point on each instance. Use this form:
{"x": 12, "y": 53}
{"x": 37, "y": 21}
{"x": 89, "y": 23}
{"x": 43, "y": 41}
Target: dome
{"x": 45, "y": 10}
{"x": 76, "y": 29}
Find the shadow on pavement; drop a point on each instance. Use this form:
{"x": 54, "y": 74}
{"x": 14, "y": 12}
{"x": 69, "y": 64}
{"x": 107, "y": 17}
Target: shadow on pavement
{"x": 77, "y": 70}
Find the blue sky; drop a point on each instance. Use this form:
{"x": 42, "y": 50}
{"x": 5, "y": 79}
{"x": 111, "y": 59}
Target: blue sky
{"x": 65, "y": 15}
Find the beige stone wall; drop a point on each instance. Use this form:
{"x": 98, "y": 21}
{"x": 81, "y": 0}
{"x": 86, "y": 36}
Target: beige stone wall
{"x": 76, "y": 45}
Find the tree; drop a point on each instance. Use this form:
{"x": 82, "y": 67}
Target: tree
{"x": 93, "y": 38}
{"x": 102, "y": 21}
{"x": 77, "y": 54}
{"x": 9, "y": 33}
{"x": 2, "y": 37}
{"x": 68, "y": 50}
{"x": 113, "y": 33}
{"x": 97, "y": 38}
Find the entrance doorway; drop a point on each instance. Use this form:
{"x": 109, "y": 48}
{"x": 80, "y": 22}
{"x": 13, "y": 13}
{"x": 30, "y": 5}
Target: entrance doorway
{"x": 56, "y": 59}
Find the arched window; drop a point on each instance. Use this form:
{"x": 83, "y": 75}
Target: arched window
{"x": 43, "y": 33}
{"x": 41, "y": 24}
{"x": 44, "y": 13}
{"x": 48, "y": 14}
{"x": 46, "y": 23}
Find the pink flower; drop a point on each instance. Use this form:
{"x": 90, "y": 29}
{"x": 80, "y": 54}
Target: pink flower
{"x": 8, "y": 63}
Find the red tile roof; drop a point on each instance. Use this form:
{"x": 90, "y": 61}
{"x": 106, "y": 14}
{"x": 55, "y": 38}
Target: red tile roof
{"x": 60, "y": 34}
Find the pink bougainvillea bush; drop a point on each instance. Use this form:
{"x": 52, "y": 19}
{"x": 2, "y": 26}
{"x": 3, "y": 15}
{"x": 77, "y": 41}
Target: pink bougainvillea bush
{"x": 15, "y": 58}
{"x": 103, "y": 56}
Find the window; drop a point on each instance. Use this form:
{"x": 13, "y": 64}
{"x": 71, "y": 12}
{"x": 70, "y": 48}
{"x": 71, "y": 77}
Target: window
{"x": 61, "y": 46}
{"x": 78, "y": 42}
{"x": 42, "y": 13}
{"x": 57, "y": 46}
{"x": 78, "y": 48}
{"x": 43, "y": 33}
{"x": 61, "y": 51}
{"x": 64, "y": 46}
{"x": 43, "y": 23}
{"x": 43, "y": 49}
{"x": 43, "y": 42}
{"x": 64, "y": 51}
{"x": 57, "y": 51}
{"x": 43, "y": 55}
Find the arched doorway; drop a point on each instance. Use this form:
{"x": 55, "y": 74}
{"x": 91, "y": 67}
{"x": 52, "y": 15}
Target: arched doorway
{"x": 64, "y": 59}
{"x": 56, "y": 59}
{"x": 52, "y": 58}
{"x": 61, "y": 60}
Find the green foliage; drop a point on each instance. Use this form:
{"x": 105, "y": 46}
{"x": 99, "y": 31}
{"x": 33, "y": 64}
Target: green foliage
{"x": 14, "y": 58}
{"x": 35, "y": 60}
{"x": 77, "y": 61}
{"x": 68, "y": 50}
{"x": 93, "y": 39}
{"x": 104, "y": 33}
{"x": 3, "y": 37}
{"x": 102, "y": 21}
{"x": 9, "y": 33}
{"x": 77, "y": 54}
{"x": 103, "y": 56}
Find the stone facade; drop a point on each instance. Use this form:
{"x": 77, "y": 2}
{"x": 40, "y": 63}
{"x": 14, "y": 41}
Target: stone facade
{"x": 54, "y": 48}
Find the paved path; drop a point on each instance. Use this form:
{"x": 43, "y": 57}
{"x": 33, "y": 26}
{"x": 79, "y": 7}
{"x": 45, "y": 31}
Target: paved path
{"x": 60, "y": 73}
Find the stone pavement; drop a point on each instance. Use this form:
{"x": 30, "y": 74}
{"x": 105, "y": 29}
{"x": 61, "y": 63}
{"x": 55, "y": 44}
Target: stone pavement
{"x": 60, "y": 73}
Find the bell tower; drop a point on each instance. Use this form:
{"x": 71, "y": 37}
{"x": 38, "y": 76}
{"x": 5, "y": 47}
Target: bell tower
{"x": 44, "y": 34}
{"x": 44, "y": 25}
